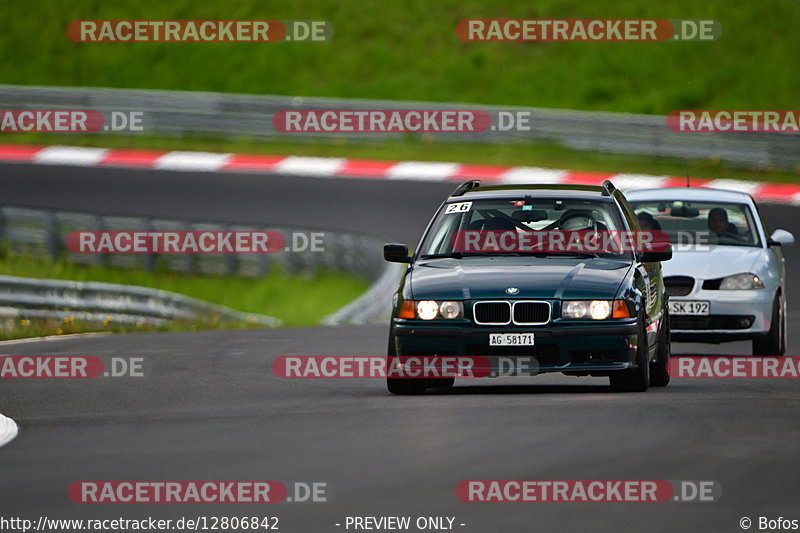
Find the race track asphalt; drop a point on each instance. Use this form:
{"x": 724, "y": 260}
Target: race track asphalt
{"x": 209, "y": 406}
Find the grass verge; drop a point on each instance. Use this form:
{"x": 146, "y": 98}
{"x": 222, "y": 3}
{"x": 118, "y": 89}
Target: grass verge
{"x": 297, "y": 300}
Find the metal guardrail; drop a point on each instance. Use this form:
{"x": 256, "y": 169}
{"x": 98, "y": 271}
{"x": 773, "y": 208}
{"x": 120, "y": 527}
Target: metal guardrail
{"x": 177, "y": 113}
{"x": 95, "y": 302}
{"x": 372, "y": 306}
{"x": 39, "y": 232}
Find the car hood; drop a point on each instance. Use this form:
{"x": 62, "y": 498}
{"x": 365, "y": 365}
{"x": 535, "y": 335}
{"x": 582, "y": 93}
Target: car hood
{"x": 720, "y": 262}
{"x": 545, "y": 278}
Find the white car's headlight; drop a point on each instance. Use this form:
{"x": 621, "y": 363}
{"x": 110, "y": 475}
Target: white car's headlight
{"x": 739, "y": 282}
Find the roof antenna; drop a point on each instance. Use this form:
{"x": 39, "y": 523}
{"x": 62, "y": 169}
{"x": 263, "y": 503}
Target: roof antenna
{"x": 686, "y": 166}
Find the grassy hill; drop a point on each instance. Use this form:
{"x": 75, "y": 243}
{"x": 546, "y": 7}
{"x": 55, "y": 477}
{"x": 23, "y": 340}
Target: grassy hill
{"x": 408, "y": 49}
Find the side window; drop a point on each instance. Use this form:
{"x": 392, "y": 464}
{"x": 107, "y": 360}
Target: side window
{"x": 441, "y": 239}
{"x": 763, "y": 222}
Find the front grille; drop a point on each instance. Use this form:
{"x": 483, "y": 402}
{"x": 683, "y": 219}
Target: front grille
{"x": 679, "y": 285}
{"x": 526, "y": 313}
{"x": 712, "y": 284}
{"x": 711, "y": 322}
{"x": 492, "y": 312}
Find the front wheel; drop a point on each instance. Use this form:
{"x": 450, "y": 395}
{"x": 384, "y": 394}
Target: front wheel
{"x": 405, "y": 386}
{"x": 634, "y": 379}
{"x": 401, "y": 386}
{"x": 774, "y": 341}
{"x": 659, "y": 371}
{"x": 441, "y": 383}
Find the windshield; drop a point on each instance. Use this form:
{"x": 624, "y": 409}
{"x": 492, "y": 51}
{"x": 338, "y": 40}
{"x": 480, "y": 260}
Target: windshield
{"x": 699, "y": 223}
{"x": 517, "y": 218}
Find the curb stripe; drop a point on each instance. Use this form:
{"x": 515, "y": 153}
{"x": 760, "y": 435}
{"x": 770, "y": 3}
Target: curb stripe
{"x": 333, "y": 167}
{"x": 69, "y": 155}
{"x": 533, "y": 175}
{"x": 11, "y": 152}
{"x": 252, "y": 163}
{"x": 197, "y": 161}
{"x": 357, "y": 168}
{"x": 422, "y": 171}
{"x": 131, "y": 158}
{"x": 314, "y": 166}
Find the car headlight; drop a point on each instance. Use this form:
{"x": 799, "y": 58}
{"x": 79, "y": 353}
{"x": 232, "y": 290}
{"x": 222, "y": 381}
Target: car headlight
{"x": 739, "y": 282}
{"x": 451, "y": 310}
{"x": 427, "y": 309}
{"x": 431, "y": 309}
{"x": 594, "y": 309}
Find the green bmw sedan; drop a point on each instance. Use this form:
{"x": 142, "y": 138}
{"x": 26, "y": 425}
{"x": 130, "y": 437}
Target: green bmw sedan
{"x": 561, "y": 276}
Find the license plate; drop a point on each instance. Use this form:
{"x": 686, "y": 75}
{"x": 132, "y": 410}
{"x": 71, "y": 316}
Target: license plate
{"x": 510, "y": 339}
{"x": 688, "y": 308}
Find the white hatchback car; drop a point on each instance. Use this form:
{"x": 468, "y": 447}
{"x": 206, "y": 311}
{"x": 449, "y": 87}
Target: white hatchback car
{"x": 726, "y": 279}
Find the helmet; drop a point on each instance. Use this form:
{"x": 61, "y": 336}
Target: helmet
{"x": 576, "y": 222}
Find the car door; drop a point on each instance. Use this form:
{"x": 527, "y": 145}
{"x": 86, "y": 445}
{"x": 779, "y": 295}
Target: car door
{"x": 651, "y": 280}
{"x": 777, "y": 262}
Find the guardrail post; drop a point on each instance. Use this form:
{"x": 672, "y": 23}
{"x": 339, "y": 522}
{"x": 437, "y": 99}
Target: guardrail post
{"x": 149, "y": 259}
{"x": 2, "y": 230}
{"x": 231, "y": 259}
{"x": 51, "y": 236}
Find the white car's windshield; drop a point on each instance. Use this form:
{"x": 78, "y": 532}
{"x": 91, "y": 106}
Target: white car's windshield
{"x": 688, "y": 222}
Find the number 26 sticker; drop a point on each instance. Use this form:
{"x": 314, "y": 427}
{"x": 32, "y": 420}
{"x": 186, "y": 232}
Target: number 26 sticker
{"x": 460, "y": 207}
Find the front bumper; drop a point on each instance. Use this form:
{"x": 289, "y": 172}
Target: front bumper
{"x": 580, "y": 349}
{"x": 733, "y": 315}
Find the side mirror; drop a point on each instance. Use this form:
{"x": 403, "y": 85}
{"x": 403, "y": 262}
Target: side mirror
{"x": 656, "y": 257}
{"x": 396, "y": 253}
{"x": 780, "y": 237}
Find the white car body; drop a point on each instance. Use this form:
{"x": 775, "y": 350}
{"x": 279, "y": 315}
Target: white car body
{"x": 732, "y": 314}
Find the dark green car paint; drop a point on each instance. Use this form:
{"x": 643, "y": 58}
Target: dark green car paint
{"x": 569, "y": 343}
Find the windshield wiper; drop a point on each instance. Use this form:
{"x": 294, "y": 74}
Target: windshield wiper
{"x": 576, "y": 254}
{"x": 459, "y": 255}
{"x": 452, "y": 255}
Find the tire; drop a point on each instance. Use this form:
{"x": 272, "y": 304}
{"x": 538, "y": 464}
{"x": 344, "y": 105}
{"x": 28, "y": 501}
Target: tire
{"x": 401, "y": 386}
{"x": 441, "y": 383}
{"x": 659, "y": 371}
{"x": 634, "y": 379}
{"x": 774, "y": 341}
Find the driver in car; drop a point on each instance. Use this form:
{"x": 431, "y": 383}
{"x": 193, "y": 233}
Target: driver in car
{"x": 719, "y": 224}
